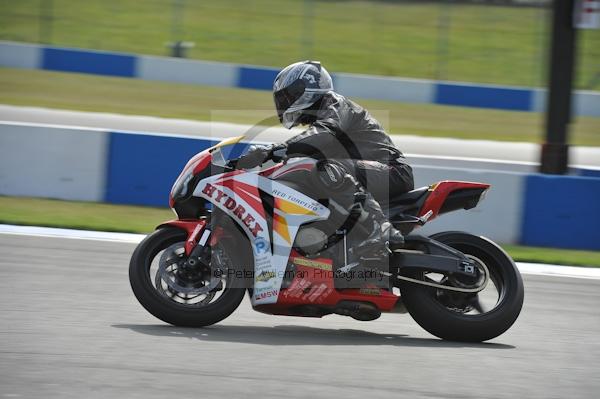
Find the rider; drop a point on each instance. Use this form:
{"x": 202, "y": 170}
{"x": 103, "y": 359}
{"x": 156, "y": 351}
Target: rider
{"x": 339, "y": 130}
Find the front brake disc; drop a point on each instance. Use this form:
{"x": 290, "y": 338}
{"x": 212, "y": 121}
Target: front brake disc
{"x": 171, "y": 260}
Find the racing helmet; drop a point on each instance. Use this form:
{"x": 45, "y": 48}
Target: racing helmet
{"x": 297, "y": 87}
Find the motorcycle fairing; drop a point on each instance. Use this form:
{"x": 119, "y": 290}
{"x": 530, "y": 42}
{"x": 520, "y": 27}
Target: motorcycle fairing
{"x": 313, "y": 284}
{"x": 280, "y": 170}
{"x": 237, "y": 194}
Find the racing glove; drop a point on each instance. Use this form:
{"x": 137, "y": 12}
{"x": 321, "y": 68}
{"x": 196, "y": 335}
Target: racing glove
{"x": 257, "y": 155}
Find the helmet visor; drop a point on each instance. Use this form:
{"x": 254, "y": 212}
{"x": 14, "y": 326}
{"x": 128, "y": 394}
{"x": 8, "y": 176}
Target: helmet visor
{"x": 287, "y": 96}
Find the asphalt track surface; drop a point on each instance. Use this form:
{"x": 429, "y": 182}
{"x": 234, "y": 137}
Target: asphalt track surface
{"x": 71, "y": 328}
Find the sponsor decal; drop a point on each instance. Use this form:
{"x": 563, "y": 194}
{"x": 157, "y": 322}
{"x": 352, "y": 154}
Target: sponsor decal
{"x": 370, "y": 291}
{"x": 265, "y": 275}
{"x": 316, "y": 293}
{"x": 312, "y": 263}
{"x": 266, "y": 294}
{"x": 290, "y": 204}
{"x": 310, "y": 78}
{"x": 330, "y": 173}
{"x": 296, "y": 289}
{"x": 261, "y": 246}
{"x": 236, "y": 209}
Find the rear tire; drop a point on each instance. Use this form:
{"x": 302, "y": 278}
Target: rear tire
{"x": 423, "y": 305}
{"x": 162, "y": 307}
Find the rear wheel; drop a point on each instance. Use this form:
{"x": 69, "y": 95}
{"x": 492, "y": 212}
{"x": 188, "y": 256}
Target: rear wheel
{"x": 472, "y": 317}
{"x": 171, "y": 290}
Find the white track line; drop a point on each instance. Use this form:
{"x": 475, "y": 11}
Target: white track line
{"x": 524, "y": 268}
{"x": 71, "y": 233}
{"x": 559, "y": 270}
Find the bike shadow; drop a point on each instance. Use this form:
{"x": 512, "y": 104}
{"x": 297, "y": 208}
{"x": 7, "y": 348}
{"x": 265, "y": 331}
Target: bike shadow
{"x": 298, "y": 335}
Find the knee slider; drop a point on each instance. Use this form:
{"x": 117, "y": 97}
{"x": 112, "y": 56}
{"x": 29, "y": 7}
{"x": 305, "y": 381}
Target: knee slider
{"x": 333, "y": 175}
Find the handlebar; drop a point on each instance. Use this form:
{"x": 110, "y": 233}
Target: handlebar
{"x": 277, "y": 155}
{"x": 232, "y": 163}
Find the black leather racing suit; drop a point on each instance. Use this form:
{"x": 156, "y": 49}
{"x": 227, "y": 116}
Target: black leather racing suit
{"x": 346, "y": 132}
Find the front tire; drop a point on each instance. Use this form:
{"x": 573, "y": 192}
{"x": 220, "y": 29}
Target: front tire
{"x": 161, "y": 306}
{"x": 432, "y": 309}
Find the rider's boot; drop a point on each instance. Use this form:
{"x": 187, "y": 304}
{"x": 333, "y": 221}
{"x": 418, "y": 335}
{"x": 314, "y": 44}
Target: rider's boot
{"x": 383, "y": 235}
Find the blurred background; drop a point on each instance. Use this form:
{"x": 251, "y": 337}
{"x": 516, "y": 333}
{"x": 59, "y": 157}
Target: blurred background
{"x": 460, "y": 84}
{"x": 487, "y": 41}
{"x": 102, "y": 102}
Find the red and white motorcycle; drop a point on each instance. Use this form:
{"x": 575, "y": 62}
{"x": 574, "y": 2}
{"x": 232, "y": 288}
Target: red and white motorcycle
{"x": 261, "y": 232}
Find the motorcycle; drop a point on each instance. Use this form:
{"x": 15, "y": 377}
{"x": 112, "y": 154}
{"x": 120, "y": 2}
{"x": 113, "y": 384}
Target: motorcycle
{"x": 276, "y": 234}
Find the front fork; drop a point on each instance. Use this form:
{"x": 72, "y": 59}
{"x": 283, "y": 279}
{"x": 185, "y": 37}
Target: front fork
{"x": 199, "y": 242}
{"x": 197, "y": 234}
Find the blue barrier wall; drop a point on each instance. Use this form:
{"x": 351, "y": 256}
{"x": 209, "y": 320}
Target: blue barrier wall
{"x": 99, "y": 63}
{"x": 19, "y": 55}
{"x": 142, "y": 168}
{"x": 483, "y": 97}
{"x": 589, "y": 173}
{"x": 257, "y": 78}
{"x": 561, "y": 211}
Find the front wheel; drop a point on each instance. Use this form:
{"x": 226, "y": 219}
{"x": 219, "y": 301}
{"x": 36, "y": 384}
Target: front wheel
{"x": 169, "y": 289}
{"x": 470, "y": 317}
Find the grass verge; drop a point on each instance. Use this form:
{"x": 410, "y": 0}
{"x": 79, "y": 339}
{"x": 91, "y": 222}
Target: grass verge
{"x": 135, "y": 219}
{"x": 553, "y": 255}
{"x": 465, "y": 42}
{"x": 81, "y": 215}
{"x": 138, "y": 97}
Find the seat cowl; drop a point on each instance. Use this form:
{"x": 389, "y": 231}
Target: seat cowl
{"x": 409, "y": 197}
